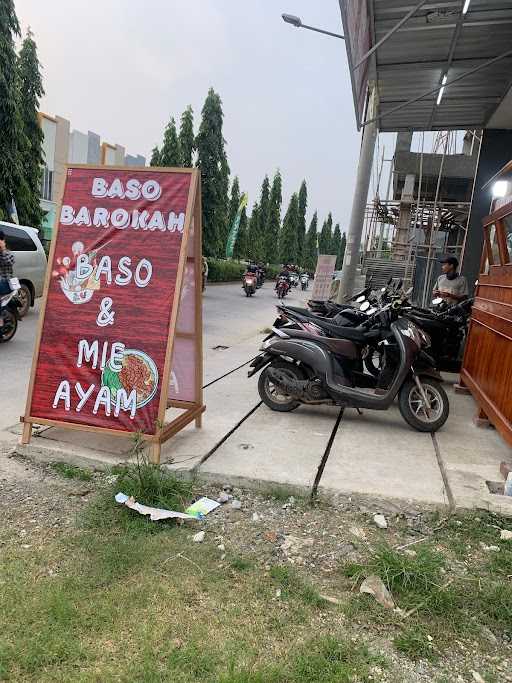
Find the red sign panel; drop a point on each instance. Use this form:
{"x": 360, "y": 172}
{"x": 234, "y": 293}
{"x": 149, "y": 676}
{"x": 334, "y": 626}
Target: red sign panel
{"x": 109, "y": 306}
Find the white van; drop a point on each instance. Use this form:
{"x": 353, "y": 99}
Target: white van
{"x": 30, "y": 261}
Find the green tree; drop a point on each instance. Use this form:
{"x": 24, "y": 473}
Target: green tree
{"x": 170, "y": 154}
{"x": 274, "y": 220}
{"x": 255, "y": 245}
{"x": 212, "y": 161}
{"x": 288, "y": 244}
{"x": 186, "y": 137}
{"x": 155, "y": 156}
{"x": 301, "y": 230}
{"x": 264, "y": 214}
{"x": 240, "y": 248}
{"x": 234, "y": 201}
{"x": 336, "y": 245}
{"x": 325, "y": 239}
{"x": 29, "y": 91}
{"x": 223, "y": 208}
{"x": 10, "y": 163}
{"x": 311, "y": 245}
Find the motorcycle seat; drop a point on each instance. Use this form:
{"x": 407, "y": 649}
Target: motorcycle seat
{"x": 355, "y": 334}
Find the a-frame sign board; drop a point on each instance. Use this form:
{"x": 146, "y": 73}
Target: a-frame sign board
{"x": 120, "y": 331}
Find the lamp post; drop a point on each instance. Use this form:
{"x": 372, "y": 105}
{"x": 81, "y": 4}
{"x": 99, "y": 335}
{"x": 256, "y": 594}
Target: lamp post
{"x": 297, "y": 22}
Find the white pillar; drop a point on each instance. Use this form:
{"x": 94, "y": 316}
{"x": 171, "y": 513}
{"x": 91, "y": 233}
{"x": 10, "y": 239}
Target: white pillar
{"x": 355, "y": 230}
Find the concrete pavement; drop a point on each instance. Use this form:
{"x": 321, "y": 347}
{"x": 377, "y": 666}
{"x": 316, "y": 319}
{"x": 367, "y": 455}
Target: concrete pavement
{"x": 372, "y": 455}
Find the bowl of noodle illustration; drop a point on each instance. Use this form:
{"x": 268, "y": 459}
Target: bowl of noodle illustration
{"x": 138, "y": 372}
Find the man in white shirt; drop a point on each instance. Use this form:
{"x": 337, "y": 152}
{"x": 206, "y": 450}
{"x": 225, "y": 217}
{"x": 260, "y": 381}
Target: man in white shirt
{"x": 451, "y": 286}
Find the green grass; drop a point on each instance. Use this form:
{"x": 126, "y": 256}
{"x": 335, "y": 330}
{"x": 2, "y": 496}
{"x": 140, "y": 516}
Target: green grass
{"x": 151, "y": 484}
{"x": 411, "y": 578}
{"x": 414, "y": 643}
{"x": 118, "y": 599}
{"x": 292, "y": 585}
{"x": 68, "y": 471}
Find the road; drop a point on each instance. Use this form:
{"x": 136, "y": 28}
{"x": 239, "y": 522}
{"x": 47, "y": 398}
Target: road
{"x": 229, "y": 318}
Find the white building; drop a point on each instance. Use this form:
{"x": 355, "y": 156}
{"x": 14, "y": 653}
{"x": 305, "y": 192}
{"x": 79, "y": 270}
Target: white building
{"x": 62, "y": 146}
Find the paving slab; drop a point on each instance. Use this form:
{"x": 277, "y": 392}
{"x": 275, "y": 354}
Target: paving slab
{"x": 472, "y": 456}
{"x": 228, "y": 401}
{"x": 378, "y": 454}
{"x": 274, "y": 448}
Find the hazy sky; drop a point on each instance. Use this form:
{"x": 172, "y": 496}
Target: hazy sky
{"x": 122, "y": 67}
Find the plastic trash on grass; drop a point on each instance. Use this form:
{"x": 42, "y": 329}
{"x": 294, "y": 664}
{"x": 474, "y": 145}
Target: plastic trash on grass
{"x": 155, "y": 514}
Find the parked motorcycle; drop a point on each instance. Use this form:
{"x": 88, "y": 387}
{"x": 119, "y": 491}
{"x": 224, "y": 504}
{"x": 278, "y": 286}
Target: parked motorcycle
{"x": 249, "y": 283}
{"x": 9, "y": 308}
{"x": 282, "y": 287}
{"x": 304, "y": 281}
{"x": 299, "y": 367}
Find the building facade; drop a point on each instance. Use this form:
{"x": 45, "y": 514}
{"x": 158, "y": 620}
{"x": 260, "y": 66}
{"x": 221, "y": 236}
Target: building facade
{"x": 61, "y": 146}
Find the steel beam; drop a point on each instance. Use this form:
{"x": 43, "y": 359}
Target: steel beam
{"x": 390, "y": 33}
{"x": 490, "y": 62}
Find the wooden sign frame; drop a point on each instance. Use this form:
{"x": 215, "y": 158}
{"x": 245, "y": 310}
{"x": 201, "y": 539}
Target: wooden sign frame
{"x": 193, "y": 410}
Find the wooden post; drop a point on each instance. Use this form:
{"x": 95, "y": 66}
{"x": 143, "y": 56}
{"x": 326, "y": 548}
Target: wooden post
{"x": 198, "y": 257}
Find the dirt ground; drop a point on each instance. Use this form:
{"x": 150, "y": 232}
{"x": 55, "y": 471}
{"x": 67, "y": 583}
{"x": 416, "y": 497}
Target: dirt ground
{"x": 272, "y": 529}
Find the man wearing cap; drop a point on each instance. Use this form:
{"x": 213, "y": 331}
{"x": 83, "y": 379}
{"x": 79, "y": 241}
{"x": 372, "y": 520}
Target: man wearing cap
{"x": 451, "y": 286}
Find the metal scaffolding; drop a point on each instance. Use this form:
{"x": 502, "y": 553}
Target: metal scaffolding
{"x": 405, "y": 237}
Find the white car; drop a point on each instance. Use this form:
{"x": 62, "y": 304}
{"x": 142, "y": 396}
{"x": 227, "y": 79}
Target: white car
{"x": 29, "y": 262}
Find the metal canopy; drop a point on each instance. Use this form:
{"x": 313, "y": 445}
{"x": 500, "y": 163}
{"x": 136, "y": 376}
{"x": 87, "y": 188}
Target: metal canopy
{"x": 439, "y": 40}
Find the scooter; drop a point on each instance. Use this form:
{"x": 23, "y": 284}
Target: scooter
{"x": 282, "y": 287}
{"x": 304, "y": 281}
{"x": 294, "y": 279}
{"x": 320, "y": 370}
{"x": 9, "y": 305}
{"x": 249, "y": 283}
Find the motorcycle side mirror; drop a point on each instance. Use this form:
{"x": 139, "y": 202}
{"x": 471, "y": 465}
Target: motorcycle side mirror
{"x": 364, "y": 306}
{"x": 438, "y": 300}
{"x": 360, "y": 299}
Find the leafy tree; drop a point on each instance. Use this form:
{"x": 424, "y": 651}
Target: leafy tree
{"x": 155, "y": 156}
{"x": 274, "y": 220}
{"x": 311, "y": 244}
{"x": 240, "y": 248}
{"x": 255, "y": 245}
{"x": 186, "y": 137}
{"x": 170, "y": 154}
{"x": 301, "y": 229}
{"x": 10, "y": 164}
{"x": 325, "y": 245}
{"x": 30, "y": 89}
{"x": 211, "y": 159}
{"x": 223, "y": 208}
{"x": 336, "y": 245}
{"x": 234, "y": 202}
{"x": 264, "y": 214}
{"x": 288, "y": 243}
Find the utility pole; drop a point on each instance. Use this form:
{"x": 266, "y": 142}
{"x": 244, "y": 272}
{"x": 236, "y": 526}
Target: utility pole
{"x": 355, "y": 230}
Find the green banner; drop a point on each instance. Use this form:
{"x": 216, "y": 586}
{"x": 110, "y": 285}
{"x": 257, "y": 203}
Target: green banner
{"x": 230, "y": 245}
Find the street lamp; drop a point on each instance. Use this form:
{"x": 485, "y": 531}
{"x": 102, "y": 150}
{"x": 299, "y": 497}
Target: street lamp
{"x": 297, "y": 22}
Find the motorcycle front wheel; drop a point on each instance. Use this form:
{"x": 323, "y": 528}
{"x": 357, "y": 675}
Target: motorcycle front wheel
{"x": 268, "y": 391}
{"x": 8, "y": 330}
{"x": 413, "y": 409}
